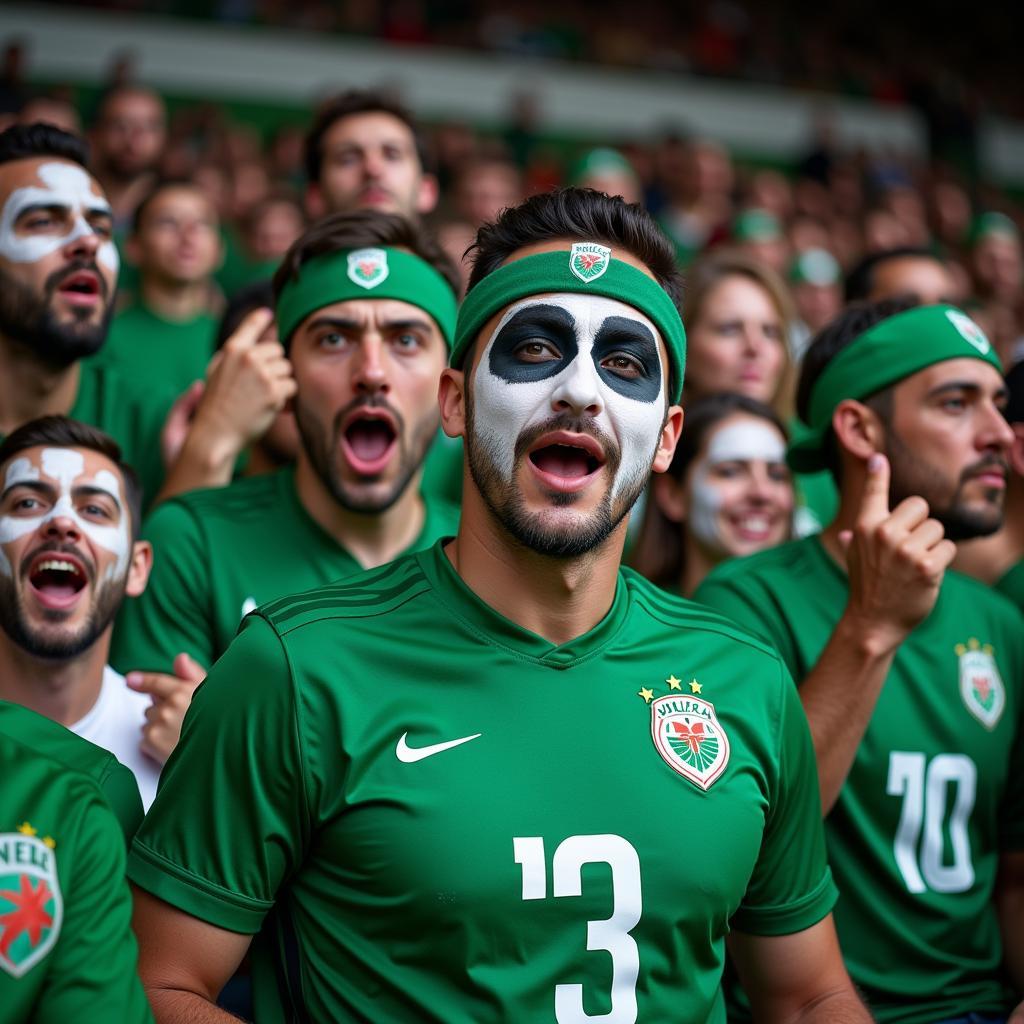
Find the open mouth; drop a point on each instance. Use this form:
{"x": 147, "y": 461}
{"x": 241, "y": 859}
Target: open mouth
{"x": 81, "y": 288}
{"x": 369, "y": 441}
{"x": 57, "y": 579}
{"x": 566, "y": 462}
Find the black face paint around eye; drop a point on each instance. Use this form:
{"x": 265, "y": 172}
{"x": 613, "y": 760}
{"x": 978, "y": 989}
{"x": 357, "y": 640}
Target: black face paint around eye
{"x": 632, "y": 338}
{"x": 548, "y": 323}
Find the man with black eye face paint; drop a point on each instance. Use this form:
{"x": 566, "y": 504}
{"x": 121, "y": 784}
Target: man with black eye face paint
{"x": 504, "y": 780}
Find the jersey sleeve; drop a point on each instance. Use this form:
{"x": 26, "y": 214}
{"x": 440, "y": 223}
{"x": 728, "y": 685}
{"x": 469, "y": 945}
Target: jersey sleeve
{"x": 122, "y": 793}
{"x": 791, "y": 887}
{"x": 744, "y": 606}
{"x": 231, "y": 818}
{"x": 174, "y": 614}
{"x": 92, "y": 970}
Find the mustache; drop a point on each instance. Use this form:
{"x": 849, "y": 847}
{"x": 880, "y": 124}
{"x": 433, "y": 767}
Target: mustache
{"x": 990, "y": 461}
{"x": 58, "y": 549}
{"x": 573, "y": 425}
{"x": 53, "y": 282}
{"x": 368, "y": 402}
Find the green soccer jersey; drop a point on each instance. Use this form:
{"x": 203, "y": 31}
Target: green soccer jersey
{"x": 457, "y": 822}
{"x": 1011, "y": 583}
{"x": 52, "y": 739}
{"x": 67, "y": 952}
{"x": 220, "y": 553}
{"x": 132, "y": 414}
{"x": 931, "y": 799}
{"x": 145, "y": 348}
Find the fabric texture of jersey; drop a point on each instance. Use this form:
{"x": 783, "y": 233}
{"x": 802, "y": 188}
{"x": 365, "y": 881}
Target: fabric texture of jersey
{"x": 932, "y": 796}
{"x": 132, "y": 414}
{"x": 144, "y": 347}
{"x": 1011, "y": 584}
{"x": 115, "y": 723}
{"x": 67, "y": 952}
{"x": 220, "y": 553}
{"x": 115, "y": 781}
{"x": 436, "y": 807}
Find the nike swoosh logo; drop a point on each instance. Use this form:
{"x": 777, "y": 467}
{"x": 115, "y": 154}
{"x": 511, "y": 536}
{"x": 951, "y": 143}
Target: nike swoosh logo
{"x": 409, "y": 755}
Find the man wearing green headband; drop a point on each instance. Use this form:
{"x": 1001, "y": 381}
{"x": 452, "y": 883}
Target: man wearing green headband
{"x": 483, "y": 792}
{"x": 912, "y": 675}
{"x": 366, "y": 309}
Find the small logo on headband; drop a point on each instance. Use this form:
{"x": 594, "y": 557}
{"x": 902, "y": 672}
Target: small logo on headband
{"x": 588, "y": 260}
{"x": 367, "y": 267}
{"x": 969, "y": 330}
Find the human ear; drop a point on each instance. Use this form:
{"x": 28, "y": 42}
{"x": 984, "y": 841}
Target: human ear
{"x": 858, "y": 429}
{"x": 429, "y": 192}
{"x": 670, "y": 434}
{"x": 139, "y": 568}
{"x": 451, "y": 396}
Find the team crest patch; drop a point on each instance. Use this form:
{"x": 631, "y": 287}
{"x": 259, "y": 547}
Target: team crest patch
{"x": 689, "y": 737}
{"x": 30, "y": 902}
{"x": 368, "y": 267}
{"x": 981, "y": 686}
{"x": 969, "y": 331}
{"x": 588, "y": 260}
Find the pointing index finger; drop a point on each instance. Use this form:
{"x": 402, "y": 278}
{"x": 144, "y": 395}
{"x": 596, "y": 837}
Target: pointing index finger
{"x": 874, "y": 501}
{"x": 249, "y": 330}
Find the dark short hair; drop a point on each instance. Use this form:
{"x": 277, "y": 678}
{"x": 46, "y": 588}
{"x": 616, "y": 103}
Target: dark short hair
{"x": 860, "y": 281}
{"x": 577, "y": 213}
{"x": 62, "y": 432}
{"x": 348, "y": 104}
{"x": 839, "y": 332}
{"x": 659, "y": 550}
{"x": 159, "y": 187}
{"x": 1015, "y": 386}
{"x": 22, "y": 141}
{"x": 361, "y": 229}
{"x": 255, "y": 295}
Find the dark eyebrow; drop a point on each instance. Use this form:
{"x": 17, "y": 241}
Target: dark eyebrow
{"x": 965, "y": 385}
{"x": 86, "y": 490}
{"x": 38, "y": 486}
{"x": 544, "y": 315}
{"x": 345, "y": 324}
{"x": 60, "y": 207}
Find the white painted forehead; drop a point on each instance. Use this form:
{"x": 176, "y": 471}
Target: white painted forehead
{"x": 72, "y": 182}
{"x": 64, "y": 466}
{"x": 589, "y": 311}
{"x": 747, "y": 440}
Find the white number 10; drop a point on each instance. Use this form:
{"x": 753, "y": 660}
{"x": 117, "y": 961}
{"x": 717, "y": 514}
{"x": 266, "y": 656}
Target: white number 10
{"x": 924, "y": 795}
{"x": 611, "y": 934}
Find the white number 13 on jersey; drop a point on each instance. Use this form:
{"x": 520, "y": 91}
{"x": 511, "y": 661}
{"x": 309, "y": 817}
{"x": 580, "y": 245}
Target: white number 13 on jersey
{"x": 611, "y": 934}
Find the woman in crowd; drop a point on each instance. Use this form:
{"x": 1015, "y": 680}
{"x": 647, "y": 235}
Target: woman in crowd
{"x": 737, "y": 314}
{"x": 727, "y": 493}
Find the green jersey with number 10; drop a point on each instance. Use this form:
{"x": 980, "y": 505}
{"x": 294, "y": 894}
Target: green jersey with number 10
{"x": 932, "y": 796}
{"x": 454, "y": 820}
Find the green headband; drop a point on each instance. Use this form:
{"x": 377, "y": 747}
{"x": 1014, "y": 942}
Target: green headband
{"x": 586, "y": 268}
{"x": 366, "y": 274}
{"x": 886, "y": 353}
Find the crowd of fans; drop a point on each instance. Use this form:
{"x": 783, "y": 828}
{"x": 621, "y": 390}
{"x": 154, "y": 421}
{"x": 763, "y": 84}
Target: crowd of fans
{"x": 214, "y": 375}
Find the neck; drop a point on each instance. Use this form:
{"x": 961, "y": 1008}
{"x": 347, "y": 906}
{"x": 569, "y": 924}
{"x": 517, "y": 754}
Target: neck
{"x": 65, "y": 691}
{"x": 556, "y": 598}
{"x": 371, "y": 538}
{"x": 30, "y": 388}
{"x": 988, "y": 558}
{"x": 175, "y": 300}
{"x": 697, "y": 563}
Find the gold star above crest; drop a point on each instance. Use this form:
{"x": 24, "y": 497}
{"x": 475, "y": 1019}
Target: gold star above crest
{"x": 695, "y": 687}
{"x": 960, "y": 649}
{"x": 50, "y": 842}
{"x": 27, "y": 830}
{"x": 973, "y": 643}
{"x": 988, "y": 649}
{"x": 673, "y": 683}
{"x": 648, "y": 695}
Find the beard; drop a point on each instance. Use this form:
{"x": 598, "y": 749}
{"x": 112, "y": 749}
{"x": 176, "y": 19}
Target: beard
{"x": 54, "y": 643}
{"x": 508, "y": 507}
{"x": 28, "y": 318}
{"x": 912, "y": 475}
{"x": 320, "y": 445}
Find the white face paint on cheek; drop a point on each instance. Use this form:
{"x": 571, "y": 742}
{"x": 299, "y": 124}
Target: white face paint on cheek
{"x": 68, "y": 186}
{"x": 12, "y": 528}
{"x": 504, "y": 409}
{"x": 747, "y": 440}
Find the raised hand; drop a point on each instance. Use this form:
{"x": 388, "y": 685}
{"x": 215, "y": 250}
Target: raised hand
{"x": 171, "y": 696}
